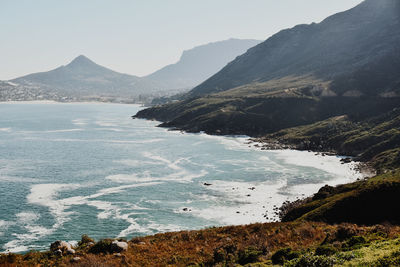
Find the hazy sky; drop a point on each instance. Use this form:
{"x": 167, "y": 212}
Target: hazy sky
{"x": 138, "y": 36}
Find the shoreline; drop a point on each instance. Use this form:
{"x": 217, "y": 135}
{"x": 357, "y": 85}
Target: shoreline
{"x": 261, "y": 143}
{"x": 52, "y": 102}
{"x": 233, "y": 136}
{"x": 364, "y": 168}
{"x": 66, "y": 102}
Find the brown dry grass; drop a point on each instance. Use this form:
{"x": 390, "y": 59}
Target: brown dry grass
{"x": 199, "y": 247}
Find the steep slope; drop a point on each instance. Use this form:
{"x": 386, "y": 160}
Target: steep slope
{"x": 200, "y": 63}
{"x": 349, "y": 46}
{"x": 348, "y": 65}
{"x": 364, "y": 202}
{"x": 299, "y": 76}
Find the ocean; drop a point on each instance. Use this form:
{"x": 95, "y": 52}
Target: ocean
{"x": 89, "y": 168}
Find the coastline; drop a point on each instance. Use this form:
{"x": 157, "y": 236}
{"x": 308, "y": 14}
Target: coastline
{"x": 262, "y": 143}
{"x": 366, "y": 169}
{"x": 66, "y": 102}
{"x": 261, "y": 192}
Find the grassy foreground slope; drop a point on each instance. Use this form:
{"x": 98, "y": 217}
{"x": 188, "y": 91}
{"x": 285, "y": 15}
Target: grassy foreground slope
{"x": 272, "y": 244}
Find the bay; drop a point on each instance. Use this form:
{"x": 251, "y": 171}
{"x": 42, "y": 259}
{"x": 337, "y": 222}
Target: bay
{"x": 88, "y": 168}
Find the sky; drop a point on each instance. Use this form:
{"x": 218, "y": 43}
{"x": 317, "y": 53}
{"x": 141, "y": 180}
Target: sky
{"x": 138, "y": 37}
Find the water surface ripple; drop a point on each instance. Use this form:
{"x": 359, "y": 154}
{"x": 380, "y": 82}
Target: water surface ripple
{"x": 72, "y": 169}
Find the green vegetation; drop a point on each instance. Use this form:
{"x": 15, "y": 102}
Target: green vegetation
{"x": 269, "y": 244}
{"x": 283, "y": 255}
{"x": 368, "y": 201}
{"x": 376, "y": 139}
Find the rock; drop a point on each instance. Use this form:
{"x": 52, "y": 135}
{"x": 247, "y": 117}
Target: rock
{"x": 119, "y": 246}
{"x": 346, "y": 160}
{"x": 60, "y": 245}
{"x": 70, "y": 251}
{"x": 58, "y": 252}
{"x": 75, "y": 259}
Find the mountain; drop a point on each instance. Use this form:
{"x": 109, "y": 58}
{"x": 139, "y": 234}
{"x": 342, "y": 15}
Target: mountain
{"x": 200, "y": 63}
{"x": 351, "y": 54}
{"x": 344, "y": 48}
{"x": 82, "y": 77}
{"x": 328, "y": 87}
{"x": 347, "y": 65}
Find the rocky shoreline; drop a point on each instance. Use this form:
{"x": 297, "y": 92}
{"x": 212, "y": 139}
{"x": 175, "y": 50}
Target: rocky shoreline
{"x": 365, "y": 168}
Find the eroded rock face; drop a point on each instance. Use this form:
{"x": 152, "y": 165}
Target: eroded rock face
{"x": 119, "y": 246}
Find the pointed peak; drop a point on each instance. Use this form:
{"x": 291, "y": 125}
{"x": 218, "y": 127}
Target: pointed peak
{"x": 81, "y": 60}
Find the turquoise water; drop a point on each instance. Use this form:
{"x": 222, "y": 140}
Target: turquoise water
{"x": 72, "y": 169}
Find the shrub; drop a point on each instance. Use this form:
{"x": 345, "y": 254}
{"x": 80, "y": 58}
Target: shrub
{"x": 325, "y": 250}
{"x": 345, "y": 256}
{"x": 225, "y": 253}
{"x": 7, "y": 258}
{"x": 284, "y": 254}
{"x": 310, "y": 260}
{"x": 219, "y": 255}
{"x": 103, "y": 246}
{"x": 392, "y": 260}
{"x": 356, "y": 242}
{"x": 85, "y": 239}
{"x": 345, "y": 231}
{"x": 249, "y": 255}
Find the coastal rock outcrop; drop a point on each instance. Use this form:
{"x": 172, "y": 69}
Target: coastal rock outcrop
{"x": 119, "y": 246}
{"x": 61, "y": 247}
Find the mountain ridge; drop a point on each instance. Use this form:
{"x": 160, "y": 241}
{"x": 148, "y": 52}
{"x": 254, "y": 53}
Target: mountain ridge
{"x": 201, "y": 62}
{"x": 83, "y": 79}
{"x": 326, "y": 49}
{"x": 347, "y": 65}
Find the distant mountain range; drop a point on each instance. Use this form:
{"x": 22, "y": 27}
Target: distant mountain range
{"x": 82, "y": 79}
{"x": 200, "y": 63}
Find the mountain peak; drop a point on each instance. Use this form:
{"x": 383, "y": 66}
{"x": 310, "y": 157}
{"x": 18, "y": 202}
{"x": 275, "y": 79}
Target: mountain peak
{"x": 81, "y": 60}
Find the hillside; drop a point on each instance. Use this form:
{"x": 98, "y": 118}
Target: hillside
{"x": 328, "y": 87}
{"x": 272, "y": 244}
{"x": 352, "y": 54}
{"x": 199, "y": 63}
{"x": 344, "y": 48}
{"x": 347, "y": 65}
